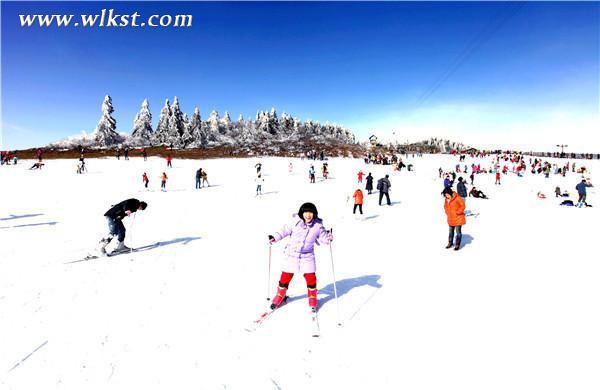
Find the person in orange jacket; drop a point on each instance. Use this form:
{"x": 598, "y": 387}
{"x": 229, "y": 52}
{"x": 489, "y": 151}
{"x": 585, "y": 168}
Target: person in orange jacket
{"x": 163, "y": 182}
{"x": 454, "y": 206}
{"x": 358, "y": 201}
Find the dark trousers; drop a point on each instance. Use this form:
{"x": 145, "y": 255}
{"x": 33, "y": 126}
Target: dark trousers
{"x": 359, "y": 208}
{"x": 387, "y": 196}
{"x": 458, "y": 234}
{"x": 581, "y": 198}
{"x": 146, "y": 184}
{"x": 198, "y": 184}
{"x": 116, "y": 228}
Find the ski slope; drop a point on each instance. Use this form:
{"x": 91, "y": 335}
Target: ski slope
{"x": 515, "y": 308}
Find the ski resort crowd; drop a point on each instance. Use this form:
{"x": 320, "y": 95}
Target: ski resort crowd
{"x": 457, "y": 185}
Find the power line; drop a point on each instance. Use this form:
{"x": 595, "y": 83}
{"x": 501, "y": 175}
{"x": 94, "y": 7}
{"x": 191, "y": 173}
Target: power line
{"x": 478, "y": 40}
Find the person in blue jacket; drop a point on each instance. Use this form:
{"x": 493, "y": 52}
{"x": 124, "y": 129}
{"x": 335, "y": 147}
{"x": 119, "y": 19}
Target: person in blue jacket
{"x": 461, "y": 188}
{"x": 581, "y": 190}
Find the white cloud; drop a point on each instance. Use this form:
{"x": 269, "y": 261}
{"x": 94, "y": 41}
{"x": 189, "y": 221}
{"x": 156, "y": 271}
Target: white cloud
{"x": 491, "y": 126}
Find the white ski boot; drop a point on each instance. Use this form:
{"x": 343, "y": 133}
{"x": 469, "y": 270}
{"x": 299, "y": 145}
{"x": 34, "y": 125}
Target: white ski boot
{"x": 121, "y": 248}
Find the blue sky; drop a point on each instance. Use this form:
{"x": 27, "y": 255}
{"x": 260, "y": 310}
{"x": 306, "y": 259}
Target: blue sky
{"x": 531, "y": 77}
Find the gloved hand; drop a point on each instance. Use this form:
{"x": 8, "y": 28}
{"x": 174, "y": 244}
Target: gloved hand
{"x": 271, "y": 240}
{"x": 330, "y": 236}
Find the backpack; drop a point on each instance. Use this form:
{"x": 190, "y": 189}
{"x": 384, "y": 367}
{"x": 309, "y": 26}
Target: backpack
{"x": 379, "y": 185}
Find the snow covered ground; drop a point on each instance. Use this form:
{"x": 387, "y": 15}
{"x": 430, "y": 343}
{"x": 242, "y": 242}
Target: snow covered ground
{"x": 516, "y": 308}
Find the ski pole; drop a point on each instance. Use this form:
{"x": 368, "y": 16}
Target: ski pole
{"x": 131, "y": 234}
{"x": 334, "y": 283}
{"x": 269, "y": 277}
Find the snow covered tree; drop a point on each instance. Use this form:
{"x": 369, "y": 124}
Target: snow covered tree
{"x": 198, "y": 135}
{"x": 186, "y": 138}
{"x": 175, "y": 125}
{"x": 225, "y": 124}
{"x": 213, "y": 127}
{"x": 142, "y": 125}
{"x": 105, "y": 133}
{"x": 162, "y": 129}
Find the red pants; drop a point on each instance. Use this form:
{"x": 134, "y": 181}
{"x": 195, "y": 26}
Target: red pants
{"x": 286, "y": 278}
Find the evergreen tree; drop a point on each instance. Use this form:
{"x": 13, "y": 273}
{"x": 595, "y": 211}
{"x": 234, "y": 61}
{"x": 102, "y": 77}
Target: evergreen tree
{"x": 162, "y": 128}
{"x": 142, "y": 125}
{"x": 105, "y": 133}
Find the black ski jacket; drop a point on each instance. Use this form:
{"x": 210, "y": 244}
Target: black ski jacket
{"x": 118, "y": 211}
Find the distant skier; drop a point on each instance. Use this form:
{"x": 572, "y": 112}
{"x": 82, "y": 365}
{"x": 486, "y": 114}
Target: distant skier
{"x": 497, "y": 177}
{"x": 127, "y": 153}
{"x": 169, "y": 159}
{"x": 118, "y": 153}
{"x": 114, "y": 217}
{"x": 145, "y": 180}
{"x": 290, "y": 168}
{"x": 311, "y": 173}
{"x": 325, "y": 170}
{"x": 358, "y": 201}
{"x": 369, "y": 186}
{"x": 205, "y": 179}
{"x": 163, "y": 182}
{"x": 384, "y": 185}
{"x": 259, "y": 182}
{"x": 199, "y": 178}
{"x": 258, "y": 167}
{"x": 360, "y": 177}
{"x": 454, "y": 206}
{"x": 304, "y": 231}
{"x": 581, "y": 190}
{"x": 37, "y": 165}
{"x": 461, "y": 188}
{"x": 39, "y": 155}
{"x": 472, "y": 177}
{"x": 144, "y": 154}
{"x": 447, "y": 182}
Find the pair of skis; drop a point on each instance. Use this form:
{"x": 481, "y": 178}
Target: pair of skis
{"x": 314, "y": 320}
{"x": 91, "y": 256}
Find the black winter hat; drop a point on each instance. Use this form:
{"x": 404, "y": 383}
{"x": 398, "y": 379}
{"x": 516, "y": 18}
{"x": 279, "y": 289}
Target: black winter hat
{"x": 308, "y": 207}
{"x": 448, "y": 191}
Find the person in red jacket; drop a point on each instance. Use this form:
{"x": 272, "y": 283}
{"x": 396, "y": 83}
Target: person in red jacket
{"x": 163, "y": 181}
{"x": 454, "y": 206}
{"x": 358, "y": 201}
{"x": 145, "y": 180}
{"x": 360, "y": 176}
{"x": 169, "y": 161}
{"x": 497, "y": 176}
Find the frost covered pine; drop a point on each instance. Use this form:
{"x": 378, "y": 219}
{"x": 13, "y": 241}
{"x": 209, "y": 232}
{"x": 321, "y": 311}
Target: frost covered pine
{"x": 175, "y": 124}
{"x": 162, "y": 128}
{"x": 142, "y": 124}
{"x": 196, "y": 129}
{"x": 105, "y": 133}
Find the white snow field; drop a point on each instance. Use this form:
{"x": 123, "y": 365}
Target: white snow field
{"x": 515, "y": 308}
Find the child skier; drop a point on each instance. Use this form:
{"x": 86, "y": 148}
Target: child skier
{"x": 145, "y": 180}
{"x": 360, "y": 177}
{"x": 497, "y": 176}
{"x": 311, "y": 174}
{"x": 163, "y": 182}
{"x": 304, "y": 231}
{"x": 358, "y": 201}
{"x": 259, "y": 182}
{"x": 205, "y": 179}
